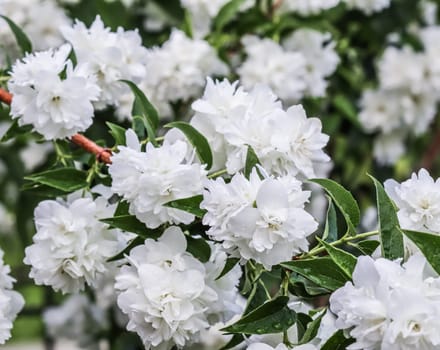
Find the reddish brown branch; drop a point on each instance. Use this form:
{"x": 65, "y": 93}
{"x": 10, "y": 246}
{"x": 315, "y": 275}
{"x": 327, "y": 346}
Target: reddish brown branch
{"x": 102, "y": 154}
{"x": 5, "y": 97}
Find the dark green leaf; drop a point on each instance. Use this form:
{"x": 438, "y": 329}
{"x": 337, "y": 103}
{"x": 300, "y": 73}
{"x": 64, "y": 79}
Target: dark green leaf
{"x": 259, "y": 295}
{"x": 251, "y": 161}
{"x": 198, "y": 247}
{"x": 227, "y": 13}
{"x": 346, "y": 107}
{"x": 312, "y": 329}
{"x": 271, "y": 317}
{"x": 198, "y": 141}
{"x": 135, "y": 242}
{"x": 190, "y": 205}
{"x": 302, "y": 322}
{"x": 343, "y": 259}
{"x": 331, "y": 226}
{"x": 344, "y": 201}
{"x": 15, "y": 130}
{"x": 143, "y": 107}
{"x": 64, "y": 179}
{"x": 229, "y": 265}
{"x": 429, "y": 244}
{"x": 237, "y": 339}
{"x": 322, "y": 271}
{"x": 117, "y": 132}
{"x": 337, "y": 342}
{"x": 130, "y": 223}
{"x": 366, "y": 247}
{"x": 22, "y": 39}
{"x": 303, "y": 287}
{"x": 42, "y": 190}
{"x": 390, "y": 233}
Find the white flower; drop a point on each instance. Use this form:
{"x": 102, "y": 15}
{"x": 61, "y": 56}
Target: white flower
{"x": 268, "y": 63}
{"x": 307, "y": 7}
{"x": 149, "y": 179}
{"x": 232, "y": 119}
{"x": 55, "y": 107}
{"x": 111, "y": 55}
{"x": 78, "y": 319}
{"x": 371, "y": 309}
{"x": 368, "y": 6}
{"x": 320, "y": 56}
{"x": 163, "y": 292}
{"x": 258, "y": 219}
{"x": 71, "y": 246}
{"x": 418, "y": 200}
{"x": 42, "y": 29}
{"x": 262, "y": 346}
{"x": 11, "y": 302}
{"x": 388, "y": 148}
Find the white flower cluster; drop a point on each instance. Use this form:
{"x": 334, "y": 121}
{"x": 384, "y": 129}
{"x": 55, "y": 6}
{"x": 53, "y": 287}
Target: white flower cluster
{"x": 11, "y": 302}
{"x": 78, "y": 319}
{"x": 111, "y": 56}
{"x": 71, "y": 245}
{"x": 56, "y": 107}
{"x": 42, "y": 29}
{"x": 418, "y": 203}
{"x": 295, "y": 69}
{"x": 389, "y": 306}
{"x": 177, "y": 71}
{"x": 258, "y": 219}
{"x": 368, "y": 6}
{"x": 231, "y": 119}
{"x": 148, "y": 180}
{"x": 406, "y": 100}
{"x": 307, "y": 7}
{"x": 167, "y": 293}
{"x": 262, "y": 346}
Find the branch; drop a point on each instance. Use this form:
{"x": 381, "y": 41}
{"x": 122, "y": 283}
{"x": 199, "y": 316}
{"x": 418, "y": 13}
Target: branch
{"x": 102, "y": 154}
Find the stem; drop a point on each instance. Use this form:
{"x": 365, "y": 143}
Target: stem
{"x": 217, "y": 174}
{"x": 5, "y": 97}
{"x": 319, "y": 249}
{"x": 102, "y": 154}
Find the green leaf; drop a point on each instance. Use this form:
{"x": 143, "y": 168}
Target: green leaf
{"x": 237, "y": 339}
{"x": 196, "y": 139}
{"x": 344, "y": 201}
{"x": 15, "y": 130}
{"x": 198, "y": 247}
{"x": 117, "y": 132}
{"x": 135, "y": 242}
{"x": 190, "y": 205}
{"x": 42, "y": 190}
{"x": 366, "y": 247}
{"x": 346, "y": 107}
{"x": 229, "y": 265}
{"x": 331, "y": 226}
{"x": 130, "y": 223}
{"x": 64, "y": 179}
{"x": 251, "y": 161}
{"x": 143, "y": 107}
{"x": 322, "y": 271}
{"x": 302, "y": 322}
{"x": 337, "y": 342}
{"x": 343, "y": 259}
{"x": 429, "y": 244}
{"x": 273, "y": 316}
{"x": 390, "y": 232}
{"x": 312, "y": 329}
{"x": 22, "y": 39}
{"x": 227, "y": 13}
{"x": 300, "y": 286}
{"x": 258, "y": 296}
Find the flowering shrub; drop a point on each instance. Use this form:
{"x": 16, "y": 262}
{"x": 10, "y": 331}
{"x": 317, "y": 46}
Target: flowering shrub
{"x": 194, "y": 173}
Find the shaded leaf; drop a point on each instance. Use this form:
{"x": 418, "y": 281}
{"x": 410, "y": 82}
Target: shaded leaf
{"x": 331, "y": 226}
{"x": 344, "y": 201}
{"x": 130, "y": 223}
{"x": 22, "y": 39}
{"x": 15, "y": 130}
{"x": 126, "y": 251}
{"x": 190, "y": 205}
{"x": 117, "y": 132}
{"x": 227, "y": 13}
{"x": 229, "y": 265}
{"x": 64, "y": 179}
{"x": 337, "y": 342}
{"x": 199, "y": 248}
{"x": 251, "y": 162}
{"x": 273, "y": 316}
{"x": 343, "y": 259}
{"x": 390, "y": 234}
{"x": 429, "y": 244}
